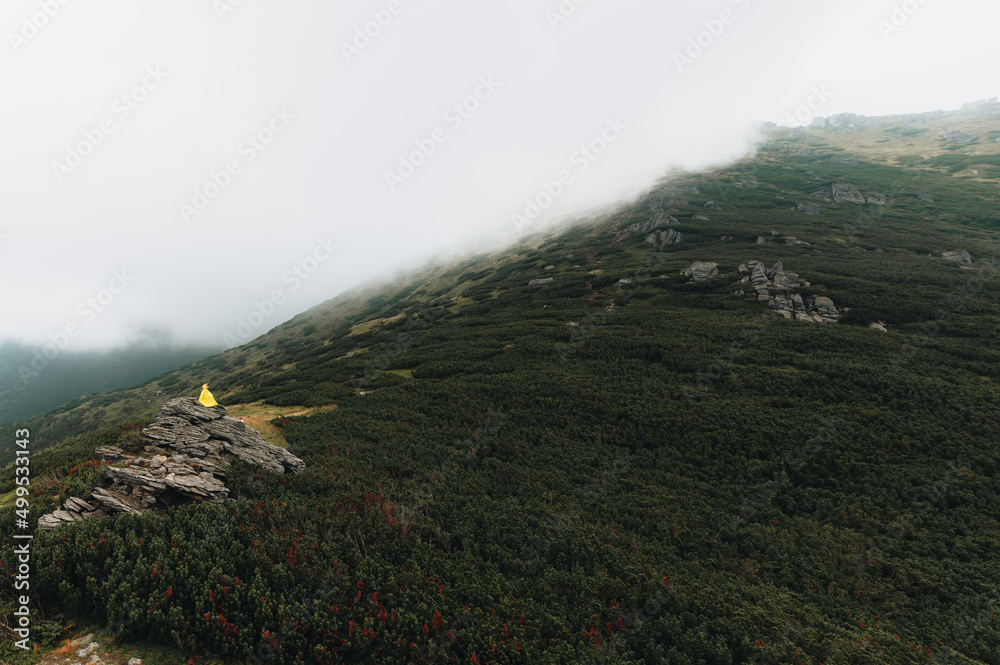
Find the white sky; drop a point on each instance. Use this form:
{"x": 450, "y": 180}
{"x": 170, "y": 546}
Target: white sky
{"x": 324, "y": 173}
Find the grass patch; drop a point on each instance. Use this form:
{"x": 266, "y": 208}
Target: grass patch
{"x": 259, "y": 416}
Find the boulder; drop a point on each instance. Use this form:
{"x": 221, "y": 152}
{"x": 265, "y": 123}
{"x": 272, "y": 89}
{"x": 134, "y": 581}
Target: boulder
{"x": 700, "y": 271}
{"x": 538, "y": 282}
{"x": 958, "y": 138}
{"x": 786, "y": 280}
{"x": 824, "y": 307}
{"x": 808, "y": 208}
{"x": 845, "y": 193}
{"x": 664, "y": 238}
{"x": 959, "y": 255}
{"x": 792, "y": 241}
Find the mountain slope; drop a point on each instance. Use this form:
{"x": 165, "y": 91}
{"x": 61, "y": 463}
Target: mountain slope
{"x": 618, "y": 465}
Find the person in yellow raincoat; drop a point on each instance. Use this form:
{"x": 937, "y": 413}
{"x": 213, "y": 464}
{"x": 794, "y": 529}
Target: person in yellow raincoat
{"x": 206, "y": 397}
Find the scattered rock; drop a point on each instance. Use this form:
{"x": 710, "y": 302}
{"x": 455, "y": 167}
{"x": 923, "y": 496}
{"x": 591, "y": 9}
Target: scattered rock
{"x": 879, "y": 325}
{"x": 711, "y": 204}
{"x": 844, "y": 160}
{"x": 659, "y": 220}
{"x": 959, "y": 138}
{"x": 823, "y": 193}
{"x": 664, "y": 238}
{"x": 926, "y": 197}
{"x": 701, "y": 218}
{"x": 550, "y": 267}
{"x": 792, "y": 241}
{"x": 702, "y": 270}
{"x": 538, "y": 282}
{"x": 845, "y": 193}
{"x": 86, "y": 651}
{"x": 959, "y": 255}
{"x": 876, "y": 198}
{"x": 808, "y": 208}
{"x": 761, "y": 240}
{"x": 806, "y": 152}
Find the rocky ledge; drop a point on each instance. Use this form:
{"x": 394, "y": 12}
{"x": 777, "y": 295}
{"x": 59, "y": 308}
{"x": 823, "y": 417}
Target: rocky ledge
{"x": 184, "y": 461}
{"x": 775, "y": 288}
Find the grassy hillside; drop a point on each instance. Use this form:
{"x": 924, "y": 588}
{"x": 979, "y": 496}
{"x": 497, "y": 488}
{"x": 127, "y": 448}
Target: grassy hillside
{"x": 618, "y": 466}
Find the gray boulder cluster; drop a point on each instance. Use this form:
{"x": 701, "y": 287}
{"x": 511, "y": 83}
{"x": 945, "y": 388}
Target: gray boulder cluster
{"x": 184, "y": 461}
{"x": 842, "y": 192}
{"x": 664, "y": 238}
{"x": 658, "y": 238}
{"x": 775, "y": 288}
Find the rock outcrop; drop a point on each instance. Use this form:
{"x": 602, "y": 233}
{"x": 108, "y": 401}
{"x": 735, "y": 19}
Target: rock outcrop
{"x": 845, "y": 193}
{"x": 664, "y": 238}
{"x": 700, "y": 271}
{"x": 960, "y": 255}
{"x": 958, "y": 138}
{"x": 776, "y": 289}
{"x": 184, "y": 461}
{"x": 659, "y": 220}
{"x": 842, "y": 192}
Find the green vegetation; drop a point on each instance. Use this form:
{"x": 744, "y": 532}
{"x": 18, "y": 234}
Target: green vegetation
{"x": 680, "y": 477}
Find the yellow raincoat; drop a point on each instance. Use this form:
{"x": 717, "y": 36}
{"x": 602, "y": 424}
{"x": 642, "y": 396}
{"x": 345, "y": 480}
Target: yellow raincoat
{"x": 206, "y": 397}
